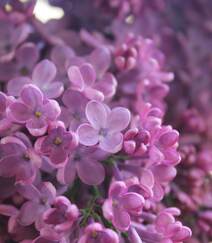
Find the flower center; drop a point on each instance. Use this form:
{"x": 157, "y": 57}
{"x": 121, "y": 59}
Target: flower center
{"x": 115, "y": 203}
{"x": 103, "y": 132}
{"x": 38, "y": 114}
{"x": 94, "y": 234}
{"x": 26, "y": 157}
{"x": 57, "y": 141}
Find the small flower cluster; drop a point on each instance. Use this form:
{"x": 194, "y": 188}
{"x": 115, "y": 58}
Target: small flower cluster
{"x": 85, "y": 155}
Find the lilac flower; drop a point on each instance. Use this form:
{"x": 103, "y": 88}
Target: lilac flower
{"x": 10, "y": 37}
{"x": 26, "y": 57}
{"x": 121, "y": 204}
{"x": 83, "y": 79}
{"x": 18, "y": 160}
{"x": 164, "y": 146}
{"x": 171, "y": 230}
{"x": 33, "y": 110}
{"x": 39, "y": 199}
{"x": 5, "y": 122}
{"x": 104, "y": 127}
{"x": 58, "y": 144}
{"x": 73, "y": 114}
{"x": 60, "y": 218}
{"x": 80, "y": 162}
{"x": 96, "y": 233}
{"x": 42, "y": 76}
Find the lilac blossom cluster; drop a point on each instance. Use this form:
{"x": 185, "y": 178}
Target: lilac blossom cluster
{"x": 85, "y": 154}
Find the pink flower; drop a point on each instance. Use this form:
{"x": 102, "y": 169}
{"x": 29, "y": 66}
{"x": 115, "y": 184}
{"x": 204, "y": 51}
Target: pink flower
{"x": 121, "y": 204}
{"x": 33, "y": 110}
{"x": 83, "y": 78}
{"x": 43, "y": 77}
{"x": 59, "y": 218}
{"x": 104, "y": 127}
{"x": 82, "y": 160}
{"x": 73, "y": 114}
{"x": 96, "y": 233}
{"x": 172, "y": 231}
{"x": 38, "y": 198}
{"x": 58, "y": 144}
{"x": 18, "y": 160}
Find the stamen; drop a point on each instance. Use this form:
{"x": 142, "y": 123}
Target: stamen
{"x": 38, "y": 114}
{"x": 57, "y": 141}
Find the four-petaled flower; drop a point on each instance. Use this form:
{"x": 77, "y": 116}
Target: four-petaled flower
{"x": 43, "y": 77}
{"x": 104, "y": 127}
{"x": 96, "y": 233}
{"x": 58, "y": 144}
{"x": 121, "y": 204}
{"x": 34, "y": 110}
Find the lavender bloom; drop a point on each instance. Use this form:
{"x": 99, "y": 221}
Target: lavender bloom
{"x": 42, "y": 76}
{"x": 59, "y": 218}
{"x": 5, "y": 122}
{"x": 121, "y": 204}
{"x": 105, "y": 126}
{"x": 73, "y": 114}
{"x": 80, "y": 162}
{"x": 171, "y": 230}
{"x": 34, "y": 110}
{"x": 18, "y": 160}
{"x": 10, "y": 37}
{"x": 58, "y": 144}
{"x": 39, "y": 200}
{"x": 96, "y": 233}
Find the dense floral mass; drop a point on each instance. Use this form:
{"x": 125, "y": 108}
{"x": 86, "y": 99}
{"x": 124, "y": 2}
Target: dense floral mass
{"x": 105, "y": 122}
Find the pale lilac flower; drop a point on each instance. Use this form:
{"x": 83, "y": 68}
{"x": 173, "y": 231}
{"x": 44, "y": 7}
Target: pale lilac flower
{"x": 58, "y": 144}
{"x": 96, "y": 233}
{"x": 39, "y": 199}
{"x": 121, "y": 204}
{"x": 84, "y": 79}
{"x": 60, "y": 218}
{"x": 18, "y": 160}
{"x": 163, "y": 146}
{"x": 104, "y": 127}
{"x": 34, "y": 110}
{"x": 43, "y": 77}
{"x": 172, "y": 231}
{"x": 26, "y": 57}
{"x": 10, "y": 37}
{"x": 5, "y": 122}
{"x": 73, "y": 114}
{"x": 80, "y": 162}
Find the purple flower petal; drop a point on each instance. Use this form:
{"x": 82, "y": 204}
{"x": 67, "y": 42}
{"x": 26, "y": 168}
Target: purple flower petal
{"x": 96, "y": 171}
{"x": 87, "y": 135}
{"x": 112, "y": 143}
{"x": 44, "y": 72}
{"x": 29, "y": 192}
{"x": 58, "y": 156}
{"x": 132, "y": 202}
{"x": 36, "y": 127}
{"x": 31, "y": 96}
{"x": 54, "y": 90}
{"x": 28, "y": 213}
{"x": 88, "y": 73}
{"x": 15, "y": 85}
{"x": 117, "y": 188}
{"x": 96, "y": 114}
{"x": 121, "y": 219}
{"x": 118, "y": 119}
{"x": 67, "y": 173}
{"x": 76, "y": 78}
{"x": 20, "y": 112}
